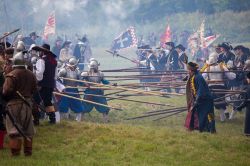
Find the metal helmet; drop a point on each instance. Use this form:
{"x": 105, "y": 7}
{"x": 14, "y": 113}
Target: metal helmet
{"x": 18, "y": 59}
{"x": 72, "y": 62}
{"x": 93, "y": 64}
{"x": 20, "y": 46}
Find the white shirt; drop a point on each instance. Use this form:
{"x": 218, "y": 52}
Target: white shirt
{"x": 40, "y": 67}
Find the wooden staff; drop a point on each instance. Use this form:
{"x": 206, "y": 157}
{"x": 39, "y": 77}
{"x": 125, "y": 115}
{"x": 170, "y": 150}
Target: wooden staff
{"x": 164, "y": 110}
{"x": 175, "y": 113}
{"x": 9, "y": 33}
{"x": 121, "y": 88}
{"x": 149, "y": 115}
{"x": 118, "y": 55}
{"x": 136, "y": 101}
{"x": 87, "y": 101}
{"x": 225, "y": 90}
{"x": 217, "y": 99}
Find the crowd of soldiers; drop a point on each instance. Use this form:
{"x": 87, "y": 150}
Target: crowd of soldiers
{"x": 31, "y": 73}
{"x": 225, "y": 69}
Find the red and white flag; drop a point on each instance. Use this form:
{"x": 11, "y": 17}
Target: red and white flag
{"x": 209, "y": 40}
{"x": 166, "y": 37}
{"x": 50, "y": 27}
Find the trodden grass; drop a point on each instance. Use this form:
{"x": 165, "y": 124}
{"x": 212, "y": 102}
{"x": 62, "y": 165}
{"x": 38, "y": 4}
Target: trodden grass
{"x": 138, "y": 142}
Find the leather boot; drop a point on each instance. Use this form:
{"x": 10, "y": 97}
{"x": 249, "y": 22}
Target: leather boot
{"x": 2, "y": 135}
{"x": 15, "y": 146}
{"x": 51, "y": 113}
{"x": 50, "y": 109}
{"x": 27, "y": 147}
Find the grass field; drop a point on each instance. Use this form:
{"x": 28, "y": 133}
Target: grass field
{"x": 135, "y": 142}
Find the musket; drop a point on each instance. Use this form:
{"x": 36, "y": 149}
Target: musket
{"x": 118, "y": 55}
{"x": 9, "y": 33}
{"x": 20, "y": 131}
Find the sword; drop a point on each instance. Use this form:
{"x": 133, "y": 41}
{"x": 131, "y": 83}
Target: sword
{"x": 23, "y": 99}
{"x": 20, "y": 131}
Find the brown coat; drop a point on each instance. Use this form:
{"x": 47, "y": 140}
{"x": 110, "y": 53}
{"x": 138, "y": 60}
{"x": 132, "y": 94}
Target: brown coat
{"x": 24, "y": 81}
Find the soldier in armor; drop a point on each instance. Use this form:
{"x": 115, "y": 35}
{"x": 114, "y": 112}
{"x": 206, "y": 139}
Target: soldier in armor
{"x": 18, "y": 88}
{"x": 71, "y": 71}
{"x": 217, "y": 81}
{"x": 96, "y": 76}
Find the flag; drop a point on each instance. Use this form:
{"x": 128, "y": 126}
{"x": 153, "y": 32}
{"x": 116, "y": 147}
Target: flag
{"x": 209, "y": 40}
{"x": 50, "y": 27}
{"x": 166, "y": 37}
{"x": 194, "y": 43}
{"x": 126, "y": 39}
{"x": 202, "y": 34}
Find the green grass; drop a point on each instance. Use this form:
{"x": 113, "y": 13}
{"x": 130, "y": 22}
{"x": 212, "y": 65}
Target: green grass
{"x": 135, "y": 142}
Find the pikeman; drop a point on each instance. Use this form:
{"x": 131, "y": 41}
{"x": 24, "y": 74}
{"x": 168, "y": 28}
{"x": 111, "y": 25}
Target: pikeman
{"x": 218, "y": 82}
{"x": 18, "y": 88}
{"x": 71, "y": 71}
{"x": 199, "y": 101}
{"x": 45, "y": 74}
{"x": 95, "y": 76}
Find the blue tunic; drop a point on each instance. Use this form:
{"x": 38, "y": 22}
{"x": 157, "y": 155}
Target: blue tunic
{"x": 101, "y": 100}
{"x": 202, "y": 105}
{"x": 75, "y": 105}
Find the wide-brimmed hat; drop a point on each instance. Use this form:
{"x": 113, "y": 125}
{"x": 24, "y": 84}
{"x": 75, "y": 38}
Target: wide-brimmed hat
{"x": 226, "y": 46}
{"x": 66, "y": 43}
{"x": 59, "y": 39}
{"x": 181, "y": 47}
{"x": 83, "y": 39}
{"x": 170, "y": 44}
{"x": 192, "y": 66}
{"x": 33, "y": 34}
{"x": 45, "y": 48}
